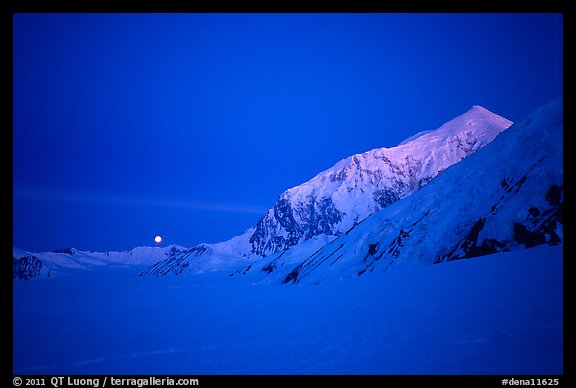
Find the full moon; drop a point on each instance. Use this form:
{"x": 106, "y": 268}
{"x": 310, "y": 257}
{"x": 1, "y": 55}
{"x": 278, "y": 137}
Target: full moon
{"x": 158, "y": 239}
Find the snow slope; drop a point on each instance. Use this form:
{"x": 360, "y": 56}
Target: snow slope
{"x": 336, "y": 199}
{"x": 506, "y": 196}
{"x": 488, "y": 315}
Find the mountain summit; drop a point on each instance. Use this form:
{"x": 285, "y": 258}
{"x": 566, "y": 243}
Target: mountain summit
{"x": 337, "y": 199}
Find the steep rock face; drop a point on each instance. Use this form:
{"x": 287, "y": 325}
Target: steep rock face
{"x": 26, "y": 268}
{"x": 279, "y": 229}
{"x": 507, "y": 196}
{"x": 542, "y": 224}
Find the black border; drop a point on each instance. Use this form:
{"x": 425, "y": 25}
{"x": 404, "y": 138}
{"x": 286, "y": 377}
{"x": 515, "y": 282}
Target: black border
{"x": 8, "y": 8}
{"x": 401, "y": 6}
{"x": 346, "y": 380}
{"x": 569, "y": 195}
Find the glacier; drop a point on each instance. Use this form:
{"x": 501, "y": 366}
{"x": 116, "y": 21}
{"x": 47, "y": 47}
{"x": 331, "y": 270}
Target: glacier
{"x": 498, "y": 314}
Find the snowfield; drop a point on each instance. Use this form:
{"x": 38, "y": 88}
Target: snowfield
{"x": 497, "y": 314}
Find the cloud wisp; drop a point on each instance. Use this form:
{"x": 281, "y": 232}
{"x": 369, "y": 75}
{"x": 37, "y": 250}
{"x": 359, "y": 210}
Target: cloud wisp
{"x": 57, "y": 194}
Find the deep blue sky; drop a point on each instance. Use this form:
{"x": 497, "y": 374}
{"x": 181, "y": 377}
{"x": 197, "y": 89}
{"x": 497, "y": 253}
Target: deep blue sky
{"x": 191, "y": 125}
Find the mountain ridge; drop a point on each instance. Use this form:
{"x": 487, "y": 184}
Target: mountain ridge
{"x": 336, "y": 199}
{"x": 330, "y": 204}
{"x": 63, "y": 261}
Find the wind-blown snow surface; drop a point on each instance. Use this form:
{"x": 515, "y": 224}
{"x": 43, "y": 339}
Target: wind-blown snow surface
{"x": 499, "y": 314}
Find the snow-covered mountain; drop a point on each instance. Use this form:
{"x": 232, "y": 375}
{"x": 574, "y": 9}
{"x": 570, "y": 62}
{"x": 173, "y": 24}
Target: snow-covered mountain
{"x": 339, "y": 198}
{"x": 507, "y": 196}
{"x": 27, "y": 265}
{"x": 334, "y": 200}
